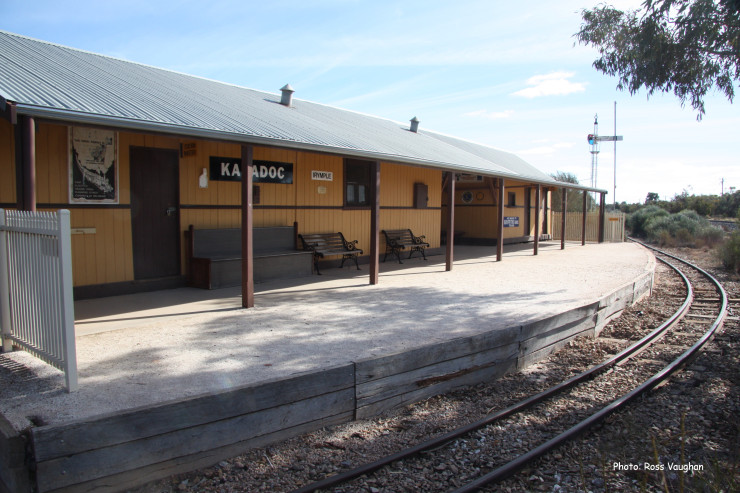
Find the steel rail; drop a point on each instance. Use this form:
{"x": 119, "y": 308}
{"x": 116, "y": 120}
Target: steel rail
{"x": 512, "y": 467}
{"x": 440, "y": 440}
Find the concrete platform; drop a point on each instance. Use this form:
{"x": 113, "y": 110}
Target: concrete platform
{"x": 137, "y": 350}
{"x": 167, "y": 350}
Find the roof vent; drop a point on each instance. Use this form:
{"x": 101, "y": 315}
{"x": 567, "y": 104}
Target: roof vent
{"x": 414, "y": 124}
{"x": 287, "y": 98}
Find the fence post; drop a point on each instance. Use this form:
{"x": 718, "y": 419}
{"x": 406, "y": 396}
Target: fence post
{"x": 5, "y": 331}
{"x": 68, "y": 308}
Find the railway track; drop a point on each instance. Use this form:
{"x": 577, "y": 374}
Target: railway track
{"x": 583, "y": 400}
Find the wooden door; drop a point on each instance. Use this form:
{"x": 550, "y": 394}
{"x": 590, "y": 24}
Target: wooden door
{"x": 155, "y": 217}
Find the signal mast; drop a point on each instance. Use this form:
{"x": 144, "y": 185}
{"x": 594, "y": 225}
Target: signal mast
{"x": 593, "y": 141}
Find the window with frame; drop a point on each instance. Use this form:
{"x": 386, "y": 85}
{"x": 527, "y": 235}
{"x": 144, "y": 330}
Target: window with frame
{"x": 357, "y": 183}
{"x": 512, "y": 199}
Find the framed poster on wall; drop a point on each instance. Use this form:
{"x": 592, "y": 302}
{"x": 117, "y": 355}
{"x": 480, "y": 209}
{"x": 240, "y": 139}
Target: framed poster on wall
{"x": 93, "y": 166}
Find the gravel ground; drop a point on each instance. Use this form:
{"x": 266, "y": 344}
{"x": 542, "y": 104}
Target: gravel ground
{"x": 692, "y": 423}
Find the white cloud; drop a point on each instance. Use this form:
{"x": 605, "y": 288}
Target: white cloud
{"x": 490, "y": 115}
{"x": 554, "y": 84}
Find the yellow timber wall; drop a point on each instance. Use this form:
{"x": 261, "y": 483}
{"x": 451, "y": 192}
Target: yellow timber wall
{"x": 102, "y": 246}
{"x": 476, "y": 210}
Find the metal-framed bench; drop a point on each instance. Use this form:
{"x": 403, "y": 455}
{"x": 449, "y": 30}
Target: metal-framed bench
{"x": 400, "y": 239}
{"x": 215, "y": 256}
{"x": 328, "y": 244}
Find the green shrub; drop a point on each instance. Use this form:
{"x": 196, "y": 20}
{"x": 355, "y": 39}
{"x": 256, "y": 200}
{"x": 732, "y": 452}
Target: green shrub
{"x": 729, "y": 252}
{"x": 686, "y": 228}
{"x": 637, "y": 220}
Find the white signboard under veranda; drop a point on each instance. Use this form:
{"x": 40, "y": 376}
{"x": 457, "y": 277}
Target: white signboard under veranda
{"x": 93, "y": 170}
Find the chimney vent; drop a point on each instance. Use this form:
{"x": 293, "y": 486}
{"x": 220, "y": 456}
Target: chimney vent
{"x": 287, "y": 98}
{"x": 414, "y": 124}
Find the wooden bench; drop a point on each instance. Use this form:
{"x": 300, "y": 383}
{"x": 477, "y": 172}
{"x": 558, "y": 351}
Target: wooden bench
{"x": 328, "y": 244}
{"x": 400, "y": 239}
{"x": 215, "y": 256}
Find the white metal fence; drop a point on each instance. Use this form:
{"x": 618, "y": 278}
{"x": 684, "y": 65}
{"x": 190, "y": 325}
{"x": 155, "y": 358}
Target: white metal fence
{"x": 36, "y": 301}
{"x": 613, "y": 226}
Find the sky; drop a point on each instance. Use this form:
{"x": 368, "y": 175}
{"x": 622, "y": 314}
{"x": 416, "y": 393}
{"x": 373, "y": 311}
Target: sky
{"x": 500, "y": 73}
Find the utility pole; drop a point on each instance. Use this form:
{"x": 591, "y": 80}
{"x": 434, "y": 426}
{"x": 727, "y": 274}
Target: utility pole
{"x": 614, "y": 196}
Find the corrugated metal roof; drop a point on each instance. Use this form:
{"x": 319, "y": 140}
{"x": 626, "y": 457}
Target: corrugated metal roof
{"x": 49, "y": 80}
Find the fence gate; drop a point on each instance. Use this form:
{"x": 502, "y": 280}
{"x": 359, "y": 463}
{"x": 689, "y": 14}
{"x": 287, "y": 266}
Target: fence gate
{"x": 36, "y": 303}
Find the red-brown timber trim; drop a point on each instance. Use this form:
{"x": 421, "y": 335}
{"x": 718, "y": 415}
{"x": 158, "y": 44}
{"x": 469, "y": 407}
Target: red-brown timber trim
{"x": 583, "y": 220}
{"x": 29, "y": 163}
{"x": 375, "y": 223}
{"x": 602, "y": 210}
{"x": 9, "y": 112}
{"x": 449, "y": 253}
{"x": 247, "y": 221}
{"x": 562, "y": 222}
{"x": 500, "y": 240}
{"x": 538, "y": 205}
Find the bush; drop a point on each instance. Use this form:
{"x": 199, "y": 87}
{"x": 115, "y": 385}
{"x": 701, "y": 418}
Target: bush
{"x": 729, "y": 252}
{"x": 636, "y": 221}
{"x": 687, "y": 228}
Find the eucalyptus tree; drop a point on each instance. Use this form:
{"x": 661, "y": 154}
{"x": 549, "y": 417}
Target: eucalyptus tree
{"x": 687, "y": 47}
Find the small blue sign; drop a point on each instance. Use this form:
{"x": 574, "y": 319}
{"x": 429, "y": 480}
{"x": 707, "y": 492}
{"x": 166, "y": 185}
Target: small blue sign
{"x": 511, "y": 221}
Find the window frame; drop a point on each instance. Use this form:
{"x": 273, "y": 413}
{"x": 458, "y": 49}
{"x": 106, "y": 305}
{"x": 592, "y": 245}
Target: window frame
{"x": 369, "y": 184}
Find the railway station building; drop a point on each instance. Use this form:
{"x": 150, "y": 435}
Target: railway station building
{"x": 175, "y": 180}
{"x": 143, "y": 156}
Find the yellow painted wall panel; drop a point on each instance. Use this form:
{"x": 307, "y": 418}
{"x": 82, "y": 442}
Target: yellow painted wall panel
{"x": 104, "y": 256}
{"x": 397, "y": 185}
{"x": 319, "y": 193}
{"x": 52, "y": 164}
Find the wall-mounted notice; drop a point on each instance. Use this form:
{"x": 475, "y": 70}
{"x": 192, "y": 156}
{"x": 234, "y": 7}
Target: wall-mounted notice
{"x": 511, "y": 221}
{"x": 93, "y": 171}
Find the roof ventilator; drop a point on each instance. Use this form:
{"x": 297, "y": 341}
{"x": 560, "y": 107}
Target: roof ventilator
{"x": 287, "y": 98}
{"x": 414, "y": 124}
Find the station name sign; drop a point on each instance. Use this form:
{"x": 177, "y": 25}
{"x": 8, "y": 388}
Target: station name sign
{"x": 322, "y": 175}
{"x": 230, "y": 169}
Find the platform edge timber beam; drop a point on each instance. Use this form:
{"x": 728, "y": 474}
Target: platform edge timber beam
{"x": 247, "y": 223}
